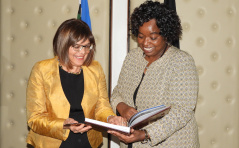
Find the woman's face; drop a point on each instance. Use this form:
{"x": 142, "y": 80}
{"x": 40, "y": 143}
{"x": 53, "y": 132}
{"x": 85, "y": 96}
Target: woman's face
{"x": 77, "y": 57}
{"x": 150, "y": 41}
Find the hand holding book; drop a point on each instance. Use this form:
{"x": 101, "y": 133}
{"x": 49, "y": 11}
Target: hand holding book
{"x": 137, "y": 121}
{"x": 117, "y": 120}
{"x": 126, "y": 111}
{"x": 75, "y": 126}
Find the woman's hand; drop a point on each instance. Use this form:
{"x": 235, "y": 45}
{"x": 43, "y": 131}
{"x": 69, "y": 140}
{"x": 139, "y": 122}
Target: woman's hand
{"x": 135, "y": 135}
{"x": 117, "y": 120}
{"x": 77, "y": 127}
{"x": 125, "y": 110}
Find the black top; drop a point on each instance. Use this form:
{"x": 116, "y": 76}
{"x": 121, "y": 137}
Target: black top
{"x": 136, "y": 91}
{"x": 134, "y": 98}
{"x": 73, "y": 87}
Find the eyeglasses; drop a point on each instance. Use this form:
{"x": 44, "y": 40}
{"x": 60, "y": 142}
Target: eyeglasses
{"x": 80, "y": 47}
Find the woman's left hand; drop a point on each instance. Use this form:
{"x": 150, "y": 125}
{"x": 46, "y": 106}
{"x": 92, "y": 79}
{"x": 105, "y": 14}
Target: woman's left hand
{"x": 117, "y": 120}
{"x": 135, "y": 135}
{"x": 76, "y": 127}
{"x": 80, "y": 128}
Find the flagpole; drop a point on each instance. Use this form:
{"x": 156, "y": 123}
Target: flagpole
{"x": 79, "y": 11}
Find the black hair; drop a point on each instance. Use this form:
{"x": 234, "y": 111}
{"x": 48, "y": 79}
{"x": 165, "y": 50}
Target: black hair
{"x": 167, "y": 20}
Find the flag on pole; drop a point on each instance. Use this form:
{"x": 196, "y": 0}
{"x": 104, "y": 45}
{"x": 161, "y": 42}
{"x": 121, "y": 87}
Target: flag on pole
{"x": 83, "y": 12}
{"x": 172, "y": 5}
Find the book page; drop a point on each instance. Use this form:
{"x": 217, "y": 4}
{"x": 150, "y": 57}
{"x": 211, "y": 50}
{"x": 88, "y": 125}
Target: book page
{"x": 149, "y": 115}
{"x": 107, "y": 126}
{"x": 146, "y": 111}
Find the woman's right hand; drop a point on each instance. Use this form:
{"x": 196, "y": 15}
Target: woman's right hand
{"x": 77, "y": 127}
{"x": 125, "y": 110}
{"x": 134, "y": 136}
{"x": 117, "y": 120}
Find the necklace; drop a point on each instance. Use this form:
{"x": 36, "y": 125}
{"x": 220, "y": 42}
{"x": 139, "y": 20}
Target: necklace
{"x": 160, "y": 55}
{"x": 75, "y": 73}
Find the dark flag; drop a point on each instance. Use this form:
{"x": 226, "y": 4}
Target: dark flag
{"x": 172, "y": 5}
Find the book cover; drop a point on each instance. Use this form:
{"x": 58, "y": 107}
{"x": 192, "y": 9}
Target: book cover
{"x": 137, "y": 121}
{"x": 106, "y": 126}
{"x": 146, "y": 116}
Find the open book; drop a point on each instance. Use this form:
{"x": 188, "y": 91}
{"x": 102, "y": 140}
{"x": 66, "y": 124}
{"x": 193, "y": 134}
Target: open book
{"x": 137, "y": 121}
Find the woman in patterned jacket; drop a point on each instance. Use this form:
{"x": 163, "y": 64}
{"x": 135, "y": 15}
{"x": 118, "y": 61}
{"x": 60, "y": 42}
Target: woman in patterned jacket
{"x": 158, "y": 73}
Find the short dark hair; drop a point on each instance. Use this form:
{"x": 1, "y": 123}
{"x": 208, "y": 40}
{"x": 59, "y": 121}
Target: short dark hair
{"x": 68, "y": 34}
{"x": 167, "y": 20}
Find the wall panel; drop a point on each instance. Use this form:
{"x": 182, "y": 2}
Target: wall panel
{"x": 211, "y": 35}
{"x": 27, "y": 30}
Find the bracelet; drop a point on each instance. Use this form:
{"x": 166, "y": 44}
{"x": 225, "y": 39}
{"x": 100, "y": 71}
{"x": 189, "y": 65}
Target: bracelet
{"x": 109, "y": 116}
{"x": 146, "y": 136}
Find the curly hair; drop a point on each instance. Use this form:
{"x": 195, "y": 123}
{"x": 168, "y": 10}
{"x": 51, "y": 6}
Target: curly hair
{"x": 167, "y": 20}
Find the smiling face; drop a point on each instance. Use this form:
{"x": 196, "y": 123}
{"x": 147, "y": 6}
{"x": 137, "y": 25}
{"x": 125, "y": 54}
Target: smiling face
{"x": 77, "y": 57}
{"x": 150, "y": 41}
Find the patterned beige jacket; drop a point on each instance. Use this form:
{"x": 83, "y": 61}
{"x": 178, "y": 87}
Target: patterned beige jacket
{"x": 170, "y": 80}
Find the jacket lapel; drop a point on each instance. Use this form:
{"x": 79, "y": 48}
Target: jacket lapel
{"x": 89, "y": 99}
{"x": 60, "y": 100}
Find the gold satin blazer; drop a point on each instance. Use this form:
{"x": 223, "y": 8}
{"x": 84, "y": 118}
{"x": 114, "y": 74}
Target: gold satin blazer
{"x": 47, "y": 106}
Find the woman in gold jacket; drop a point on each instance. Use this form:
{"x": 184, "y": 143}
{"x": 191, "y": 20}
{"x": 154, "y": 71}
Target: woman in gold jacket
{"x": 67, "y": 89}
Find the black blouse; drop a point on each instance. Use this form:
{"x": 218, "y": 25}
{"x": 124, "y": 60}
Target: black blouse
{"x": 73, "y": 87}
{"x": 134, "y": 98}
